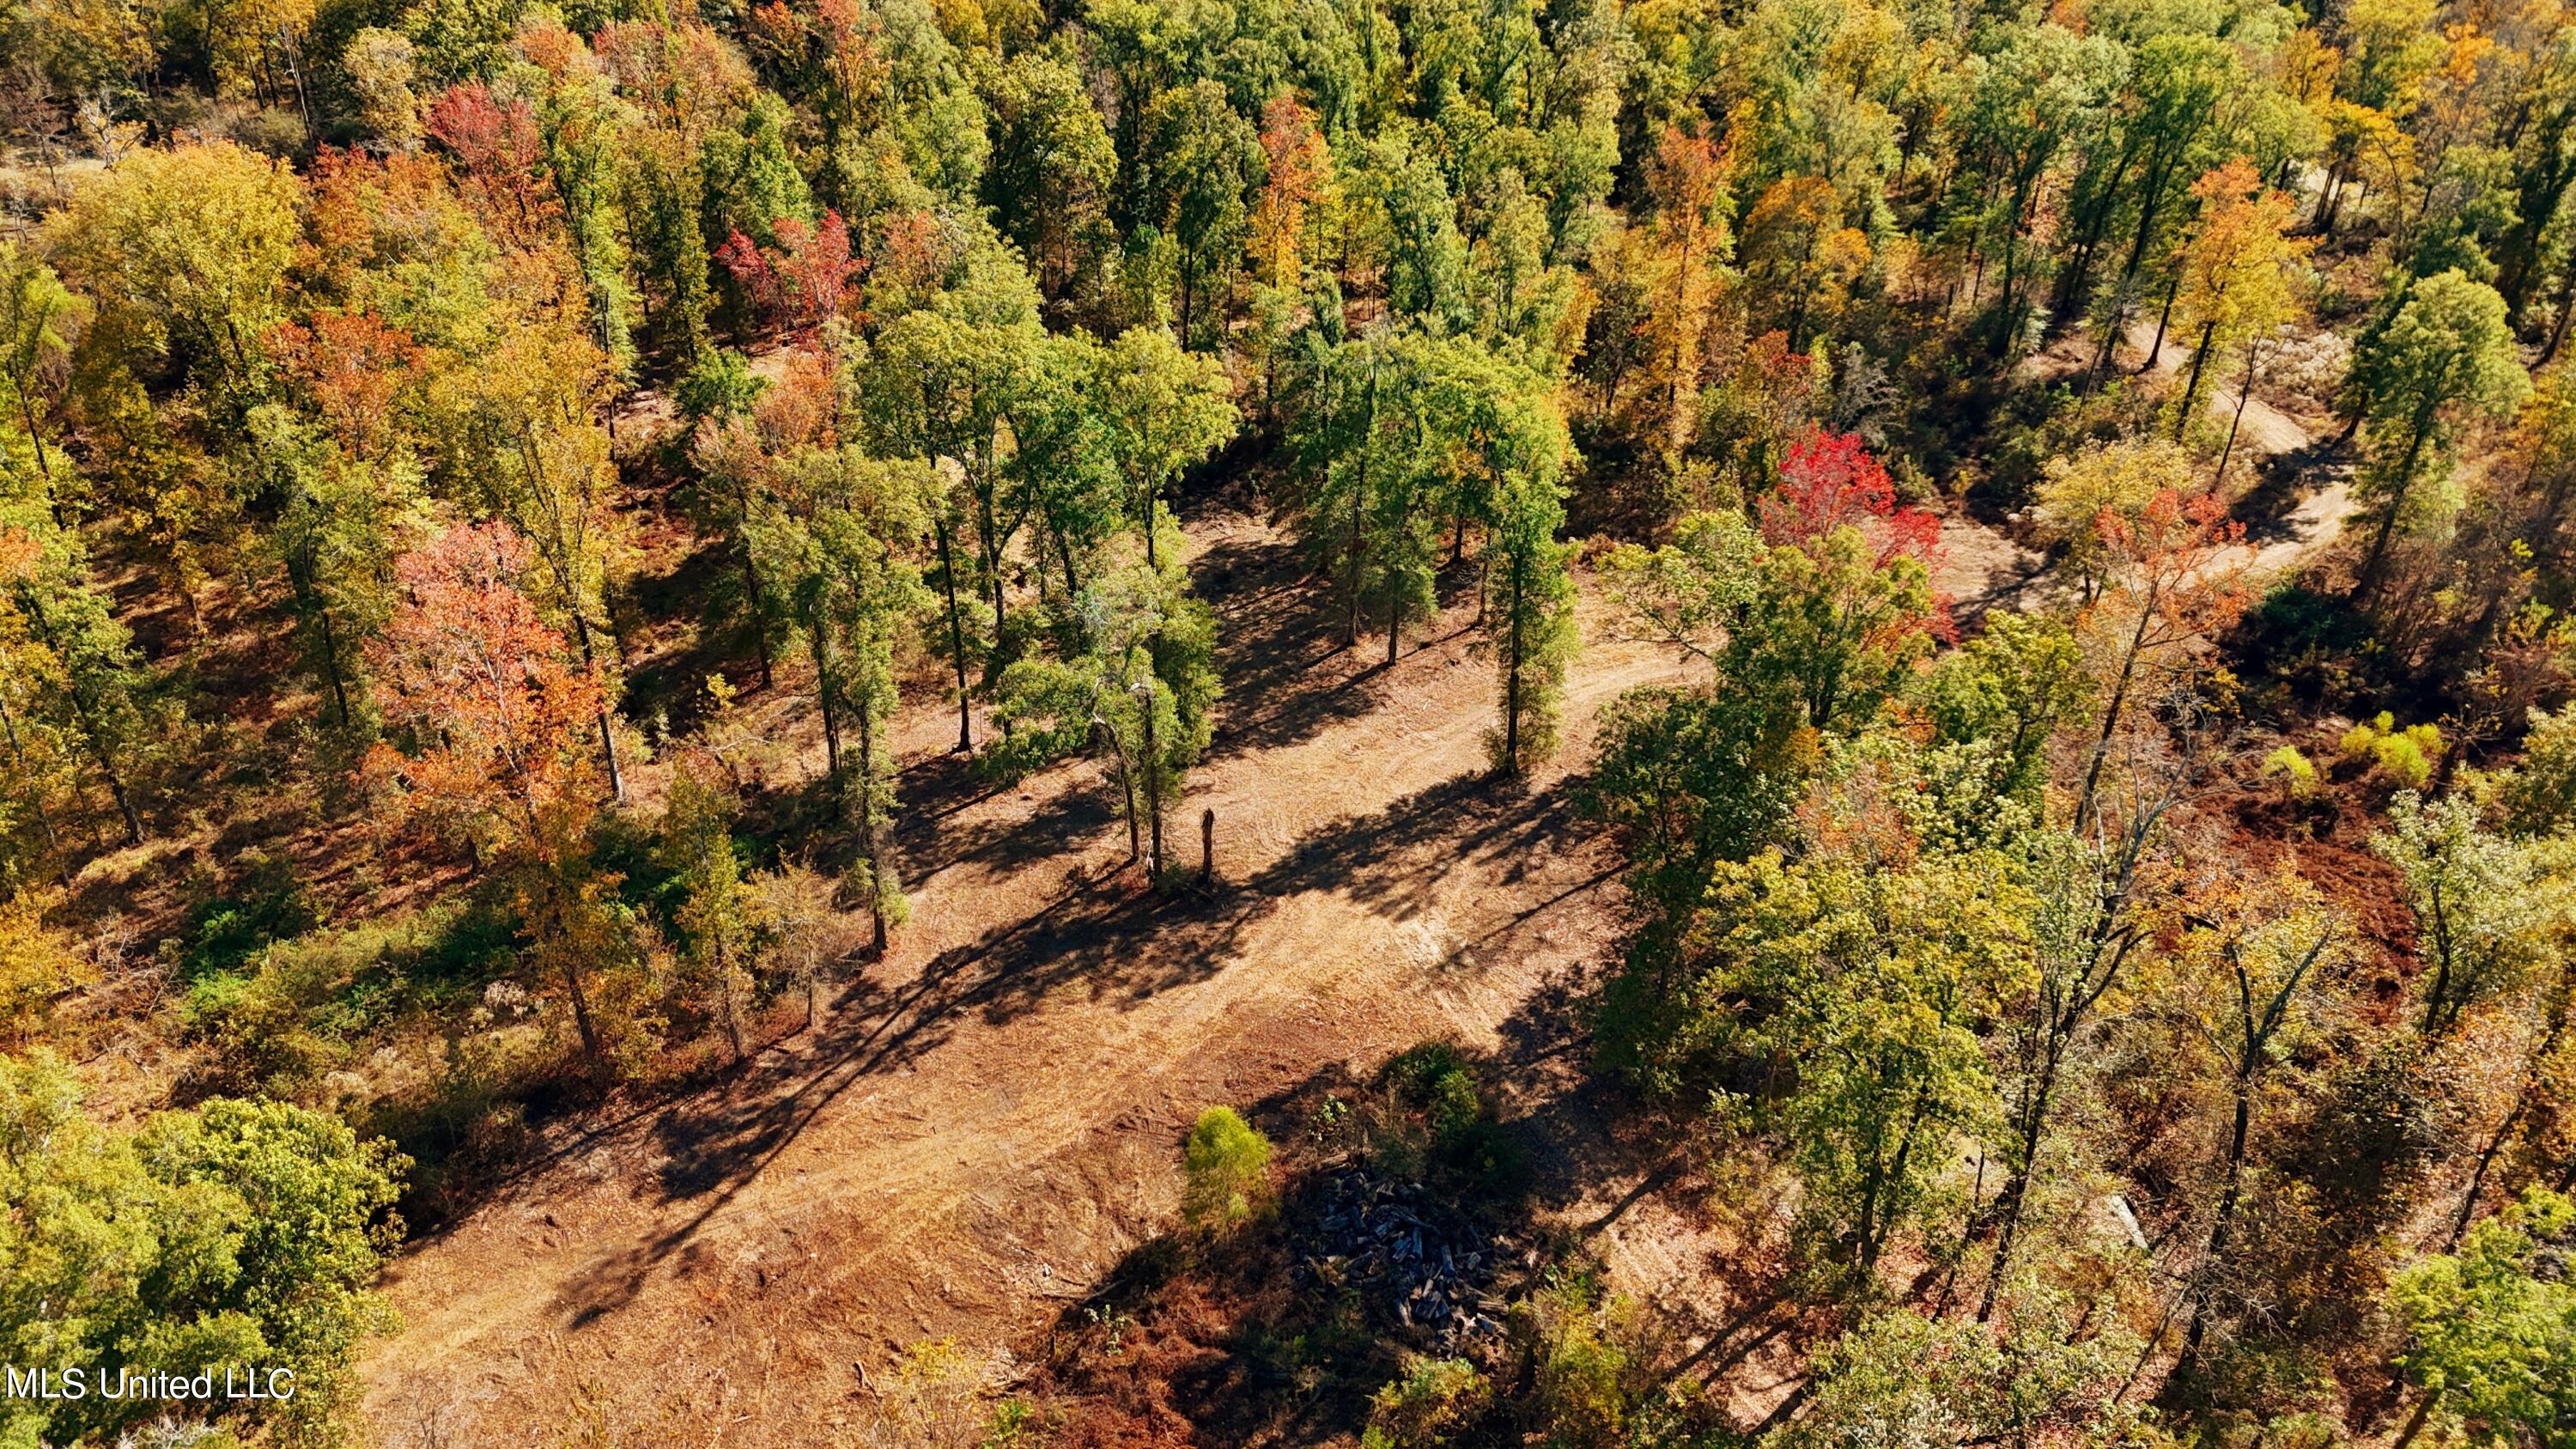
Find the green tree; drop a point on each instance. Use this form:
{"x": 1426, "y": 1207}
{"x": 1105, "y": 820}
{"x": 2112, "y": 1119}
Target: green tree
{"x": 1165, "y": 409}
{"x": 1227, "y": 1166}
{"x": 1062, "y": 471}
{"x": 239, "y": 1235}
{"x": 1531, "y": 625}
{"x": 2491, "y": 1329}
{"x": 38, "y": 317}
{"x": 714, "y": 913}
{"x": 1196, "y": 161}
{"x": 1426, "y": 259}
{"x": 664, "y": 200}
{"x": 939, "y": 382}
{"x": 1141, "y": 690}
{"x": 2487, "y": 908}
{"x": 2016, "y": 685}
{"x": 1052, "y": 163}
{"x": 838, "y": 541}
{"x": 78, "y": 648}
{"x": 339, "y": 523}
{"x": 2447, "y": 354}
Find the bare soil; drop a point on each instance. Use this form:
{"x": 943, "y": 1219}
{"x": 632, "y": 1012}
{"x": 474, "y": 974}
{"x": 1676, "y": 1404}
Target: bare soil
{"x": 991, "y": 1117}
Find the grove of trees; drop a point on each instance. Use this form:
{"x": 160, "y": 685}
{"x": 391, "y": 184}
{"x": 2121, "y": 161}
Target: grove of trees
{"x": 2116, "y": 996}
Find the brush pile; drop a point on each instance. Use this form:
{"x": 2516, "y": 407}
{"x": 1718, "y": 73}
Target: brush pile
{"x": 1417, "y": 1264}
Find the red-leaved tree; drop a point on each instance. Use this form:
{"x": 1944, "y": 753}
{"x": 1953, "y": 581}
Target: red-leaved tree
{"x": 500, "y": 156}
{"x": 805, "y": 282}
{"x": 351, "y": 365}
{"x": 1830, "y": 481}
{"x": 497, "y": 714}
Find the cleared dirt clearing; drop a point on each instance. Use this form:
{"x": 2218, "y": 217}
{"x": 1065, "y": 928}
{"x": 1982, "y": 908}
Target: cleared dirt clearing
{"x": 992, "y": 1116}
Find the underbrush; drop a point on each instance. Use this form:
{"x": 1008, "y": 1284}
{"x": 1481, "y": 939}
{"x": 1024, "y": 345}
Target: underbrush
{"x": 1274, "y": 1330}
{"x": 435, "y": 1027}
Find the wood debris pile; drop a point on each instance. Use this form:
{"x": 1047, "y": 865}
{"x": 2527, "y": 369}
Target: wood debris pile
{"x": 1417, "y": 1263}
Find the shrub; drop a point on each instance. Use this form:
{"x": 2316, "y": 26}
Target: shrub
{"x": 938, "y": 1396}
{"x": 1227, "y": 1164}
{"x": 1435, "y": 1080}
{"x": 1427, "y": 1406}
{"x": 237, "y": 1233}
{"x": 2405, "y": 756}
{"x": 223, "y": 933}
{"x": 2297, "y": 774}
{"x": 2359, "y": 741}
{"x": 36, "y": 961}
{"x": 2539, "y": 793}
{"x": 275, "y": 1024}
{"x": 1579, "y": 1384}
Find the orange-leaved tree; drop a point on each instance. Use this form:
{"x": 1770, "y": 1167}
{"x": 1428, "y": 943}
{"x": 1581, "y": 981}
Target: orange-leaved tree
{"x": 2172, "y": 585}
{"x": 496, "y": 710}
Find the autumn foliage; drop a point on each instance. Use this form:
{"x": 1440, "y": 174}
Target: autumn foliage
{"x": 488, "y": 693}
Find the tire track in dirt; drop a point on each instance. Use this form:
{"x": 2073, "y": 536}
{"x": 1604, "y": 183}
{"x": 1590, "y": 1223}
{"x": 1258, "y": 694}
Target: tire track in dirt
{"x": 993, "y": 1115}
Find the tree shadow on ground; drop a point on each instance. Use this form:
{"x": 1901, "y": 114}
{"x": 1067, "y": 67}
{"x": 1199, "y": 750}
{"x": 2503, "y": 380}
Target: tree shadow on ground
{"x": 1232, "y": 1341}
{"x": 2269, "y": 509}
{"x": 1112, "y": 941}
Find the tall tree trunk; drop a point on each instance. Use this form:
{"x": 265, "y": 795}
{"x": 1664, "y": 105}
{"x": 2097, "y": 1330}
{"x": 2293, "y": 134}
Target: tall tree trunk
{"x": 607, "y": 739}
{"x": 2415, "y": 1422}
{"x": 868, "y": 842}
{"x": 956, "y": 629}
{"x": 1517, "y": 585}
{"x": 2016, "y": 1188}
{"x": 2084, "y": 802}
{"x": 2191, "y": 384}
{"x": 2365, "y": 584}
{"x": 2243, "y": 396}
{"x": 2197, "y": 1329}
{"x": 1153, "y": 794}
{"x": 823, "y": 693}
{"x": 2504, "y": 1132}
{"x": 2163, "y": 318}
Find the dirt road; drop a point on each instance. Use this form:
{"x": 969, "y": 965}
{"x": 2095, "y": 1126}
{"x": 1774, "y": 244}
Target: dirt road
{"x": 994, "y": 1114}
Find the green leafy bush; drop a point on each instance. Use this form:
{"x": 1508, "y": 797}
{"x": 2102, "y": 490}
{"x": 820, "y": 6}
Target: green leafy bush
{"x": 1227, "y": 1163}
{"x": 1428, "y": 1405}
{"x": 2297, "y": 773}
{"x": 241, "y": 1235}
{"x": 2405, "y": 756}
{"x": 1435, "y": 1081}
{"x": 223, "y": 933}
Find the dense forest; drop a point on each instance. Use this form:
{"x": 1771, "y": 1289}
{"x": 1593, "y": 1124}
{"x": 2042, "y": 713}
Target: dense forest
{"x": 523, "y": 524}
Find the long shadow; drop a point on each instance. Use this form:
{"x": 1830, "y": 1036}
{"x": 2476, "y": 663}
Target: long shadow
{"x": 924, "y": 847}
{"x": 1282, "y": 645}
{"x": 1125, "y": 946}
{"x": 2268, "y": 508}
{"x": 715, "y": 1148}
{"x": 1999, "y": 585}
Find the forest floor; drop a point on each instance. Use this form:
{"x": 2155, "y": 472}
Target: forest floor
{"x": 991, "y": 1117}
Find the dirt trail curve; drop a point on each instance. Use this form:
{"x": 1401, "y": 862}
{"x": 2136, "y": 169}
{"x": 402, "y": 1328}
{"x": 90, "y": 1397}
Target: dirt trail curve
{"x": 1983, "y": 567}
{"x": 993, "y": 1115}
{"x": 2267, "y": 432}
